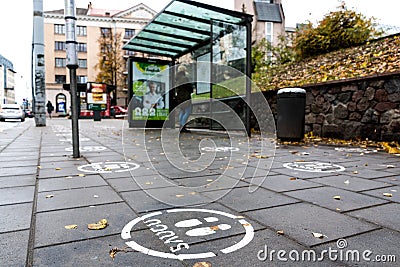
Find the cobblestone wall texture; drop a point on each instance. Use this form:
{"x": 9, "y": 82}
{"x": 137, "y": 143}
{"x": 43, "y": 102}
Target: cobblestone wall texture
{"x": 357, "y": 108}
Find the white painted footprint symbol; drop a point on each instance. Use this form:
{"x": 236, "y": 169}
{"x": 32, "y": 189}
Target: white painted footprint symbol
{"x": 201, "y": 231}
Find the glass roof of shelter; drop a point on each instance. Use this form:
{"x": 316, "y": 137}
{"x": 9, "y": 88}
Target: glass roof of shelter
{"x": 181, "y": 27}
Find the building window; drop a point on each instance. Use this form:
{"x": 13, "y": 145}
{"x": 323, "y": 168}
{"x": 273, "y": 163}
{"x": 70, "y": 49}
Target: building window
{"x": 106, "y": 48}
{"x": 81, "y": 30}
{"x": 61, "y": 79}
{"x": 81, "y": 79}
{"x": 268, "y": 31}
{"x": 60, "y": 62}
{"x": 81, "y": 47}
{"x": 269, "y": 34}
{"x": 59, "y": 28}
{"x": 105, "y": 32}
{"x": 129, "y": 53}
{"x": 59, "y": 46}
{"x": 82, "y": 63}
{"x": 129, "y": 33}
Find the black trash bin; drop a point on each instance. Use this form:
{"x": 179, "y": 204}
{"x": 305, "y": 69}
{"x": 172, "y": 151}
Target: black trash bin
{"x": 291, "y": 104}
{"x": 96, "y": 115}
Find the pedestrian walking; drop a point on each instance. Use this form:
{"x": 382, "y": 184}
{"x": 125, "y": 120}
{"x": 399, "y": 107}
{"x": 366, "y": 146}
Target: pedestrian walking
{"x": 183, "y": 97}
{"x": 50, "y": 108}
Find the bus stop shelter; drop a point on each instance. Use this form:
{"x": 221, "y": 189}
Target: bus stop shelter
{"x": 210, "y": 35}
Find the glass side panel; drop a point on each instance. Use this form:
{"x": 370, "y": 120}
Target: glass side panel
{"x": 203, "y": 74}
{"x": 229, "y": 49}
{"x": 198, "y": 12}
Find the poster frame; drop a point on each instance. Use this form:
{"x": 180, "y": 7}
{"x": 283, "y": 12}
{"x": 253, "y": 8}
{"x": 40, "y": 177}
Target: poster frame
{"x": 136, "y": 123}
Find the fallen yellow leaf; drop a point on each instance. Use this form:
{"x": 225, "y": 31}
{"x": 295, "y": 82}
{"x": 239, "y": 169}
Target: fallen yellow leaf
{"x": 98, "y": 226}
{"x": 280, "y": 232}
{"x": 387, "y": 194}
{"x": 390, "y": 148}
{"x": 115, "y": 250}
{"x": 57, "y": 169}
{"x": 202, "y": 264}
{"x": 318, "y": 235}
{"x": 336, "y": 197}
{"x": 71, "y": 226}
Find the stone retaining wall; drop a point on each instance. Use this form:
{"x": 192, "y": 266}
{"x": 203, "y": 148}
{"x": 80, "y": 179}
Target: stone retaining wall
{"x": 366, "y": 108}
{"x": 355, "y": 108}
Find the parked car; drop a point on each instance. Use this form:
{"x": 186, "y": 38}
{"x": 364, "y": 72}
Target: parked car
{"x": 11, "y": 111}
{"x": 118, "y": 111}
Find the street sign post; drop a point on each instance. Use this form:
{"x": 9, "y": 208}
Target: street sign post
{"x": 72, "y": 64}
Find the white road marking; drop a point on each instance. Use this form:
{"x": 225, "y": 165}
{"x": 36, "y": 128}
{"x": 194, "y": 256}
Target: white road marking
{"x": 314, "y": 167}
{"x": 148, "y": 220}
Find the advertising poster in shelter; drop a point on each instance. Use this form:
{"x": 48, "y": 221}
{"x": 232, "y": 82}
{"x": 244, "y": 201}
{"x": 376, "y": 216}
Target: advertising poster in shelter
{"x": 150, "y": 86}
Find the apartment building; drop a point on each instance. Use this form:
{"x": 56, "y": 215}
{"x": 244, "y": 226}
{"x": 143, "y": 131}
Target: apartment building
{"x": 268, "y": 21}
{"x": 90, "y": 25}
{"x": 7, "y": 82}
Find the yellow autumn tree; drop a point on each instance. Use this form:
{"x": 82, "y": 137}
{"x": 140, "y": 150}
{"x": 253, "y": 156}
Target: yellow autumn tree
{"x": 111, "y": 63}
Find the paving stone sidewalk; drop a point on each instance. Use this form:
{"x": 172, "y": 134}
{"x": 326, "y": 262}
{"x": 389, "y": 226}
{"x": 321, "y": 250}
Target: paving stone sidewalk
{"x": 175, "y": 200}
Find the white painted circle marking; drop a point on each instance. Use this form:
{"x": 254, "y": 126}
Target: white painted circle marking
{"x": 64, "y": 134}
{"x": 314, "y": 166}
{"x": 109, "y": 167}
{"x": 88, "y": 148}
{"x": 219, "y": 149}
{"x": 355, "y": 150}
{"x": 170, "y": 236}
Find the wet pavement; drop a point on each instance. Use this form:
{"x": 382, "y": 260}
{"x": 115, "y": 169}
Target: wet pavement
{"x": 176, "y": 200}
